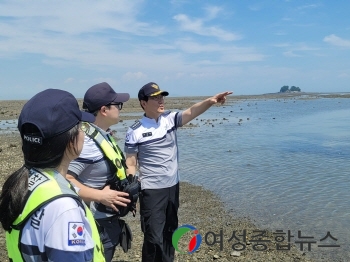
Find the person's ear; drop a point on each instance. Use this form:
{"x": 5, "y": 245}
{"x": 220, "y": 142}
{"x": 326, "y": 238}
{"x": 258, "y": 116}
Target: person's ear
{"x": 103, "y": 110}
{"x": 143, "y": 103}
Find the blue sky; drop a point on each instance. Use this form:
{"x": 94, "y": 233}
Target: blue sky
{"x": 188, "y": 47}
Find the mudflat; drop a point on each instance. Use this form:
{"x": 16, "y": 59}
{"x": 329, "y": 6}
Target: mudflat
{"x": 198, "y": 207}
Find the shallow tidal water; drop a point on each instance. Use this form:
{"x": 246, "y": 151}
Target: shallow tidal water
{"x": 282, "y": 163}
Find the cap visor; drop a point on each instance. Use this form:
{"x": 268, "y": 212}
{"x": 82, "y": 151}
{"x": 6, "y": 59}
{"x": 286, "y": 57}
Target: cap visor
{"x": 87, "y": 117}
{"x": 122, "y": 97}
{"x": 163, "y": 93}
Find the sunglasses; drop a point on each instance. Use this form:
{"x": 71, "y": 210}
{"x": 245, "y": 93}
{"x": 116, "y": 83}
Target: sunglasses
{"x": 118, "y": 105}
{"x": 157, "y": 98}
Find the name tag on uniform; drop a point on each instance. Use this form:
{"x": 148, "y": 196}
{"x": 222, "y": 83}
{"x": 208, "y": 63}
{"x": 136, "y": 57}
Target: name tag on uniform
{"x": 35, "y": 179}
{"x": 147, "y": 134}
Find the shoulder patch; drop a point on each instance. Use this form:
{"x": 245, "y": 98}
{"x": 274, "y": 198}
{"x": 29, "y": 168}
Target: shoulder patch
{"x": 76, "y": 234}
{"x": 166, "y": 113}
{"x": 136, "y": 125}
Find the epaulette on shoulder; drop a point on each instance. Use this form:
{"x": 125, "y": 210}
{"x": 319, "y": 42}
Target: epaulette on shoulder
{"x": 166, "y": 113}
{"x": 136, "y": 125}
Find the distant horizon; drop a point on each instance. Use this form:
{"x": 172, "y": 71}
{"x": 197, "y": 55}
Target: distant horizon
{"x": 233, "y": 95}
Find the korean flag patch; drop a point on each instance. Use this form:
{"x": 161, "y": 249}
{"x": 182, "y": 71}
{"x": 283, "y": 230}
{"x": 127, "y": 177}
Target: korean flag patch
{"x": 76, "y": 234}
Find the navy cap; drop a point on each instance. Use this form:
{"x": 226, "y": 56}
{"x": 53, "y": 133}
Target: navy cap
{"x": 53, "y": 112}
{"x": 102, "y": 94}
{"x": 151, "y": 89}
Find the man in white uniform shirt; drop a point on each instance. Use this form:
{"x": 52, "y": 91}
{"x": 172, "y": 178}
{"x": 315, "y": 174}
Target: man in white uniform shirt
{"x": 151, "y": 145}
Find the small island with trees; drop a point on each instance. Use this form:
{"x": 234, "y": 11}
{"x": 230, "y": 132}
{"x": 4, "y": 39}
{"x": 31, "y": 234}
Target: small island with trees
{"x": 286, "y": 89}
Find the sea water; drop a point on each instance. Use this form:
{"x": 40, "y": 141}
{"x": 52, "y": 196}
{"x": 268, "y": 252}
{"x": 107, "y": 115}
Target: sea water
{"x": 283, "y": 163}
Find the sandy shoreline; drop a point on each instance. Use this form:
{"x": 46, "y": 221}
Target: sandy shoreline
{"x": 199, "y": 207}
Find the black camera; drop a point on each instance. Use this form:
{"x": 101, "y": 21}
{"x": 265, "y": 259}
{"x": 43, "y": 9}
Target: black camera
{"x": 130, "y": 185}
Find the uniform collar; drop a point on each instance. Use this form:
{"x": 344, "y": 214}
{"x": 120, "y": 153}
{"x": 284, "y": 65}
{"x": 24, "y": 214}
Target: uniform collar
{"x": 150, "y": 121}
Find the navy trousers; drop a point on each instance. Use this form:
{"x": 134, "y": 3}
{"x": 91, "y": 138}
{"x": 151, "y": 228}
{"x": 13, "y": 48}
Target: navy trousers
{"x": 158, "y": 210}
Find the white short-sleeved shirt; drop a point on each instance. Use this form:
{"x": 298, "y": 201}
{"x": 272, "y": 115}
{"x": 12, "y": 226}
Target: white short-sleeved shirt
{"x": 92, "y": 169}
{"x": 58, "y": 231}
{"x": 155, "y": 143}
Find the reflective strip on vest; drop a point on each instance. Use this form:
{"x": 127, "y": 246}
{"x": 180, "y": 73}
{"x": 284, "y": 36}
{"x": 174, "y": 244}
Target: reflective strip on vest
{"x": 42, "y": 189}
{"x": 112, "y": 152}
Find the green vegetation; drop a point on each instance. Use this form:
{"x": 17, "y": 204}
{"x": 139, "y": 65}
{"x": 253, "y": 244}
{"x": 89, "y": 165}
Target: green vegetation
{"x": 292, "y": 89}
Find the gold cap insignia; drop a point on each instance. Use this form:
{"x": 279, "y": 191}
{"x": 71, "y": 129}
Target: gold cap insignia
{"x": 155, "y": 86}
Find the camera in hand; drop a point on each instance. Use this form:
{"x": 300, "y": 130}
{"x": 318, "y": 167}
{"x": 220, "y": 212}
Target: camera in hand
{"x": 130, "y": 185}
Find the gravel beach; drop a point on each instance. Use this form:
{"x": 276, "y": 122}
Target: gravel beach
{"x": 198, "y": 207}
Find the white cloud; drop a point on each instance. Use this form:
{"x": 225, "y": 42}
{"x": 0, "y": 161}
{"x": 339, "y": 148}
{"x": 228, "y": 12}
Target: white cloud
{"x": 212, "y": 12}
{"x": 64, "y": 34}
{"x": 311, "y": 6}
{"x": 281, "y": 45}
{"x": 190, "y": 46}
{"x": 69, "y": 29}
{"x": 220, "y": 54}
{"x": 69, "y": 80}
{"x": 74, "y": 18}
{"x": 234, "y": 57}
{"x": 337, "y": 41}
{"x": 296, "y": 49}
{"x": 134, "y": 75}
{"x": 197, "y": 26}
{"x": 290, "y": 54}
{"x": 280, "y": 33}
{"x": 287, "y": 19}
{"x": 344, "y": 75}
{"x": 254, "y": 7}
